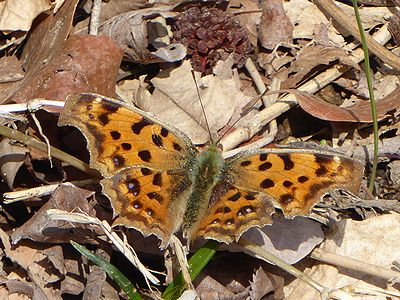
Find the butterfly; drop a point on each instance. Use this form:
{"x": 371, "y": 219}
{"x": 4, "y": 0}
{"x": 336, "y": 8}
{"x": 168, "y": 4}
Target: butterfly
{"x": 159, "y": 183}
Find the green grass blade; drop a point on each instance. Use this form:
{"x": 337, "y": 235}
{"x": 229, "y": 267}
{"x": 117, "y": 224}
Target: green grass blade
{"x": 124, "y": 283}
{"x": 196, "y": 264}
{"x": 371, "y": 95}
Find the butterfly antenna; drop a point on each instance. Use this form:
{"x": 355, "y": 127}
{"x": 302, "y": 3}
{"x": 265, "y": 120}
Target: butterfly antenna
{"x": 245, "y": 110}
{"x": 202, "y": 106}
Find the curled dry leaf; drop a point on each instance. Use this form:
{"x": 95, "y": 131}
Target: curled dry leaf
{"x": 138, "y": 31}
{"x": 39, "y": 228}
{"x": 359, "y": 112}
{"x": 304, "y": 235}
{"x": 264, "y": 283}
{"x": 86, "y": 63}
{"x": 12, "y": 157}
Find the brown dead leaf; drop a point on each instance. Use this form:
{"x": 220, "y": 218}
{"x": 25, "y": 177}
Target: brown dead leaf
{"x": 264, "y": 283}
{"x": 19, "y": 15}
{"x": 73, "y": 281}
{"x": 249, "y": 21}
{"x": 11, "y": 75}
{"x": 47, "y": 38}
{"x": 140, "y": 30}
{"x": 34, "y": 260}
{"x": 86, "y": 64}
{"x": 12, "y": 157}
{"x": 209, "y": 289}
{"x": 359, "y": 112}
{"x": 18, "y": 289}
{"x": 275, "y": 27}
{"x": 373, "y": 241}
{"x": 312, "y": 57}
{"x": 39, "y": 228}
{"x": 175, "y": 98}
{"x": 305, "y": 235}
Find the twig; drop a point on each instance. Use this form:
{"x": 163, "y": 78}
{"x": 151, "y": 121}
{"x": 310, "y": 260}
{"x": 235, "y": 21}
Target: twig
{"x": 31, "y": 105}
{"x": 11, "y": 197}
{"x": 124, "y": 248}
{"x": 328, "y": 7}
{"x": 95, "y": 17}
{"x": 34, "y": 143}
{"x": 270, "y": 258}
{"x": 356, "y": 265}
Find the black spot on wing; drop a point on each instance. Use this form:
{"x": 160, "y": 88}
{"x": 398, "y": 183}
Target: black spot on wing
{"x": 287, "y": 162}
{"x": 144, "y": 155}
{"x": 126, "y": 146}
{"x": 164, "y": 132}
{"x": 265, "y": 166}
{"x": 285, "y": 199}
{"x": 267, "y": 183}
{"x": 177, "y": 147}
{"x": 115, "y": 135}
{"x": 157, "y": 140}
{"x": 110, "y": 107}
{"x": 118, "y": 160}
{"x": 137, "y": 127}
{"x": 245, "y": 163}
{"x": 103, "y": 119}
{"x": 157, "y": 179}
{"x": 302, "y": 179}
{"x": 133, "y": 186}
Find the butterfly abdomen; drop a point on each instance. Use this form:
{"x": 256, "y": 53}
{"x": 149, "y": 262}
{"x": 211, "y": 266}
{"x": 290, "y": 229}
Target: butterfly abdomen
{"x": 207, "y": 173}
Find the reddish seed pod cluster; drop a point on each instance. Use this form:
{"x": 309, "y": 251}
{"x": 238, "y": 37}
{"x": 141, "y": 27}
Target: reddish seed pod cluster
{"x": 211, "y": 35}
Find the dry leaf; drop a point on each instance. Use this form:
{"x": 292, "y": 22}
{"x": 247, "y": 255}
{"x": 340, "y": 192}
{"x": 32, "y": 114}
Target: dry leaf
{"x": 249, "y": 21}
{"x": 264, "y": 283}
{"x": 19, "y": 14}
{"x": 40, "y": 228}
{"x": 312, "y": 57}
{"x": 359, "y": 112}
{"x": 373, "y": 241}
{"x": 31, "y": 258}
{"x": 138, "y": 31}
{"x": 304, "y": 235}
{"x": 87, "y": 63}
{"x": 275, "y": 27}
{"x": 12, "y": 157}
{"x": 306, "y": 16}
{"x": 175, "y": 98}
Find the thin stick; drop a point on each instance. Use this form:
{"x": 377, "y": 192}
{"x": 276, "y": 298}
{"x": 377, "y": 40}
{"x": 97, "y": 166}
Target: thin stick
{"x": 34, "y": 143}
{"x": 265, "y": 255}
{"x": 11, "y": 197}
{"x": 355, "y": 265}
{"x": 95, "y": 17}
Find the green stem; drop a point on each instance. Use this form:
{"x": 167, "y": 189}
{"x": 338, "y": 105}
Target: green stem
{"x": 371, "y": 95}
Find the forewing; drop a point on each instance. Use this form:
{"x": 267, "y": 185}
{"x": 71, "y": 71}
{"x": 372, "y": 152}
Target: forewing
{"x": 119, "y": 136}
{"x": 295, "y": 180}
{"x": 145, "y": 162}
